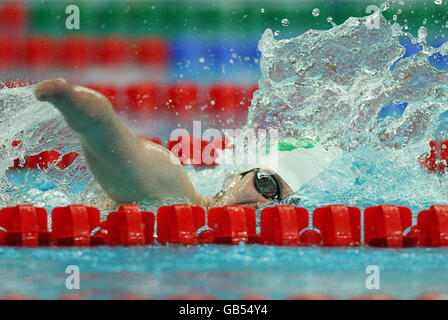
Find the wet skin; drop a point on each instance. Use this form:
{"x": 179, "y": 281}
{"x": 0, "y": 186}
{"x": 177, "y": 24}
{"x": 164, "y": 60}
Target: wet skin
{"x": 128, "y": 168}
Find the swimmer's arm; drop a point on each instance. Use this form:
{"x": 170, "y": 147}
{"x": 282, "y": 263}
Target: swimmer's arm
{"x": 128, "y": 168}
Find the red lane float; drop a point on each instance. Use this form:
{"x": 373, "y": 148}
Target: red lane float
{"x": 310, "y": 237}
{"x": 225, "y": 100}
{"x": 233, "y": 224}
{"x": 130, "y": 226}
{"x": 24, "y": 225}
{"x": 152, "y": 52}
{"x": 17, "y": 297}
{"x": 72, "y": 225}
{"x": 112, "y": 51}
{"x": 433, "y": 296}
{"x": 339, "y": 225}
{"x": 225, "y": 96}
{"x": 206, "y": 236}
{"x": 384, "y": 225}
{"x": 437, "y": 161}
{"x": 40, "y": 52}
{"x": 13, "y": 16}
{"x": 8, "y": 56}
{"x": 131, "y": 296}
{"x": 44, "y": 159}
{"x": 72, "y": 296}
{"x": 111, "y": 92}
{"x": 178, "y": 224}
{"x": 98, "y": 237}
{"x": 412, "y": 238}
{"x": 183, "y": 99}
{"x": 76, "y": 52}
{"x": 142, "y": 97}
{"x": 79, "y": 51}
{"x": 433, "y": 226}
{"x": 282, "y": 224}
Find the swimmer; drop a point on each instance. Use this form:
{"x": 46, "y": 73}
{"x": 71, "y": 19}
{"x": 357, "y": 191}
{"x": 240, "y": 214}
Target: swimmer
{"x": 131, "y": 169}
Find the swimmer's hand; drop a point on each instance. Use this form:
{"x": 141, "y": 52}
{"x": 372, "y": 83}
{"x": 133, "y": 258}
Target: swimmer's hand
{"x": 128, "y": 168}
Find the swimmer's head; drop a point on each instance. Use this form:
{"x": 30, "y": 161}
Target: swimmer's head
{"x": 254, "y": 188}
{"x": 295, "y": 165}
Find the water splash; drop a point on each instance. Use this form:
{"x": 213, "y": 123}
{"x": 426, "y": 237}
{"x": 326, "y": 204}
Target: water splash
{"x": 334, "y": 86}
{"x": 337, "y": 87}
{"x": 39, "y": 127}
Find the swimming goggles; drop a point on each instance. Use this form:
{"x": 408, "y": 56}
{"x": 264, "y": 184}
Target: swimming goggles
{"x": 265, "y": 183}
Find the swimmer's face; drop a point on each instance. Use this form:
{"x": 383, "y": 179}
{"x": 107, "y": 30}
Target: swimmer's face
{"x": 241, "y": 190}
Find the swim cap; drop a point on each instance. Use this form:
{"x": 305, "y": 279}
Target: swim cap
{"x": 297, "y": 161}
{"x": 300, "y": 165}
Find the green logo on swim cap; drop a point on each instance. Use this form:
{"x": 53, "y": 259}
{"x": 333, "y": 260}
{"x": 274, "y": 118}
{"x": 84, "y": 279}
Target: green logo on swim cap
{"x": 290, "y": 144}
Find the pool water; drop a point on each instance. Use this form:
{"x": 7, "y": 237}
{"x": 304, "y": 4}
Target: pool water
{"x": 219, "y": 271}
{"x": 223, "y": 272}
{"x": 362, "y": 92}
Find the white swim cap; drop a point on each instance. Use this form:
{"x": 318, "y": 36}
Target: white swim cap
{"x": 298, "y": 161}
